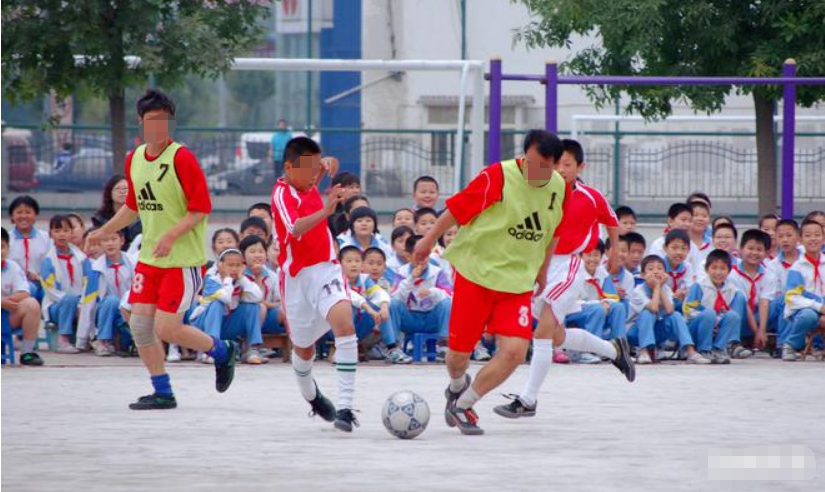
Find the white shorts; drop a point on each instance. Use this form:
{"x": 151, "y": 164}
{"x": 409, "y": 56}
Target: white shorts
{"x": 307, "y": 298}
{"x": 565, "y": 281}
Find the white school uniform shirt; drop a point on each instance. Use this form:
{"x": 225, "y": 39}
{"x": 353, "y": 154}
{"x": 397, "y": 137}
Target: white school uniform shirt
{"x": 693, "y": 257}
{"x": 704, "y": 251}
{"x": 410, "y": 291}
{"x": 57, "y": 283}
{"x": 29, "y": 252}
{"x": 704, "y": 294}
{"x": 114, "y": 281}
{"x": 777, "y": 273}
{"x": 228, "y": 291}
{"x": 805, "y": 288}
{"x": 641, "y": 297}
{"x": 270, "y": 290}
{"x": 14, "y": 279}
{"x": 590, "y": 294}
{"x": 134, "y": 247}
{"x": 624, "y": 280}
{"x": 683, "y": 277}
{"x": 753, "y": 288}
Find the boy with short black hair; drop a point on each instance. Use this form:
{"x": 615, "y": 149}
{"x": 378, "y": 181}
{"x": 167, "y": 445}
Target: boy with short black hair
{"x": 805, "y": 290}
{"x": 699, "y": 229}
{"x": 636, "y": 246}
{"x": 425, "y": 193}
{"x": 424, "y": 219}
{"x": 681, "y": 273}
{"x": 768, "y": 224}
{"x": 350, "y": 187}
{"x": 113, "y": 272}
{"x": 712, "y": 309}
{"x": 724, "y": 237}
{"x": 254, "y": 226}
{"x": 262, "y": 211}
{"x": 771, "y": 317}
{"x": 623, "y": 281}
{"x": 653, "y": 319}
{"x": 749, "y": 278}
{"x": 679, "y": 216}
{"x": 700, "y": 197}
{"x": 627, "y": 219}
{"x": 29, "y": 245}
{"x": 20, "y": 309}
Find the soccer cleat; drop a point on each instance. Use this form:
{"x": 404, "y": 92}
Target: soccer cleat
{"x": 225, "y": 373}
{"x": 466, "y": 420}
{"x": 516, "y": 408}
{"x": 322, "y": 406}
{"x": 154, "y": 402}
{"x": 345, "y": 420}
{"x": 31, "y": 359}
{"x": 623, "y": 361}
{"x": 452, "y": 399}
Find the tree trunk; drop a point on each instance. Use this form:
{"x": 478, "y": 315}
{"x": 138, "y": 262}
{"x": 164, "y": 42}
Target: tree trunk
{"x": 117, "y": 115}
{"x": 765, "y": 154}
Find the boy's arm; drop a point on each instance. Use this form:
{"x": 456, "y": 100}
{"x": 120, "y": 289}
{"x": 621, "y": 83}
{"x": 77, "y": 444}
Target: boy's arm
{"x": 655, "y": 302}
{"x": 251, "y": 292}
{"x": 402, "y": 287}
{"x": 614, "y": 265}
{"x": 795, "y": 293}
{"x": 217, "y": 289}
{"x": 302, "y": 225}
{"x": 667, "y": 299}
{"x": 693, "y": 302}
{"x": 752, "y": 319}
{"x": 425, "y": 245}
{"x": 50, "y": 284}
{"x": 762, "y": 332}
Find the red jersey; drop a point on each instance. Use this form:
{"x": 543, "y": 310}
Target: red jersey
{"x": 316, "y": 245}
{"x": 586, "y": 208}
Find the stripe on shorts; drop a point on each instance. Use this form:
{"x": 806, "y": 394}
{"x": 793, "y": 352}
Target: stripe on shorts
{"x": 561, "y": 288}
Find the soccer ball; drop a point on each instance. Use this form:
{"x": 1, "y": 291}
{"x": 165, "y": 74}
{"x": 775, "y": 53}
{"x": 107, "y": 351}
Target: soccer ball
{"x": 405, "y": 415}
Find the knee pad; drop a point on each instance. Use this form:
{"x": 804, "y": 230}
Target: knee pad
{"x": 143, "y": 330}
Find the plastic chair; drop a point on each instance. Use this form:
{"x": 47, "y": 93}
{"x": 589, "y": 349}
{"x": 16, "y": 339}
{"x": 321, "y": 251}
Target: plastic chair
{"x": 7, "y": 342}
{"x": 424, "y": 345}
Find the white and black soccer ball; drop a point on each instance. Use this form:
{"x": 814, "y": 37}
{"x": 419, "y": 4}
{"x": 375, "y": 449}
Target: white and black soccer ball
{"x": 405, "y": 415}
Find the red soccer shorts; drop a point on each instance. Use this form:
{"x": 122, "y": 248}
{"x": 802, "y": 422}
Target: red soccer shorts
{"x": 476, "y": 308}
{"x": 172, "y": 290}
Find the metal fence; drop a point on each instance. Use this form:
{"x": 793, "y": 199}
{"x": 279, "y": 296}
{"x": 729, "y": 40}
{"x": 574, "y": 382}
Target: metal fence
{"x": 635, "y": 168}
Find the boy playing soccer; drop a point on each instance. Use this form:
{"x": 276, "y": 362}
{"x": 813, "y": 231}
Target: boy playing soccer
{"x": 168, "y": 192}
{"x": 805, "y": 290}
{"x": 560, "y": 288}
{"x": 314, "y": 294}
{"x": 516, "y": 205}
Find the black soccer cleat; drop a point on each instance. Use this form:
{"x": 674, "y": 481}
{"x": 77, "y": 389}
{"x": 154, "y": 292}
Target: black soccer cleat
{"x": 452, "y": 399}
{"x": 345, "y": 420}
{"x": 623, "y": 361}
{"x": 516, "y": 409}
{"x": 322, "y": 406}
{"x": 225, "y": 373}
{"x": 31, "y": 359}
{"x": 155, "y": 402}
{"x": 466, "y": 420}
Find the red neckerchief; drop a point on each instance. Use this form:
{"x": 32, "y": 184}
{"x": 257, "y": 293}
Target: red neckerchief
{"x": 675, "y": 277}
{"x": 752, "y": 281}
{"x": 704, "y": 246}
{"x": 26, "y": 246}
{"x": 117, "y": 266}
{"x": 595, "y": 283}
{"x": 721, "y": 305}
{"x": 3, "y": 265}
{"x": 817, "y": 276}
{"x": 69, "y": 266}
{"x": 263, "y": 284}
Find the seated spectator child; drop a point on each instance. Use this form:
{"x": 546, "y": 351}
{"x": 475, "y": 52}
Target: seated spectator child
{"x": 681, "y": 273}
{"x": 112, "y": 274}
{"x": 724, "y": 238}
{"x": 679, "y": 216}
{"x": 375, "y": 266}
{"x": 623, "y": 280}
{"x": 364, "y": 231}
{"x": 767, "y": 224}
{"x": 273, "y": 319}
{"x": 712, "y": 309}
{"x": 222, "y": 239}
{"x": 272, "y": 253}
{"x": 636, "y": 246}
{"x": 722, "y": 219}
{"x": 78, "y": 228}
{"x": 374, "y": 301}
{"x": 601, "y": 308}
{"x": 425, "y": 193}
{"x": 229, "y": 308}
{"x": 69, "y": 295}
{"x": 817, "y": 216}
{"x": 771, "y": 312}
{"x": 403, "y": 217}
{"x": 627, "y": 219}
{"x": 749, "y": 278}
{"x": 424, "y": 221}
{"x": 350, "y": 186}
{"x": 254, "y": 226}
{"x": 20, "y": 310}
{"x": 805, "y": 291}
{"x": 421, "y": 300}
{"x": 29, "y": 244}
{"x": 699, "y": 229}
{"x": 653, "y": 319}
{"x": 698, "y": 196}
{"x": 263, "y": 211}
{"x": 399, "y": 256}
{"x": 92, "y": 251}
{"x": 352, "y": 203}
{"x": 444, "y": 241}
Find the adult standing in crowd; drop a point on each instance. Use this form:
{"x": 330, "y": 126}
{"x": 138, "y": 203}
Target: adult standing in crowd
{"x": 114, "y": 197}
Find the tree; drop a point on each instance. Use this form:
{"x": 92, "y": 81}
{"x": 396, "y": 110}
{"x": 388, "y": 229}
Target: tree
{"x": 691, "y": 38}
{"x": 172, "y": 38}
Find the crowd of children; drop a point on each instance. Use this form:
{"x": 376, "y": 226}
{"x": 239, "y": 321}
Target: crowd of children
{"x": 691, "y": 294}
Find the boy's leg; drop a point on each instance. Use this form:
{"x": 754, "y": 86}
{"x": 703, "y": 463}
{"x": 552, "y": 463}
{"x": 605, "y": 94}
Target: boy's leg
{"x": 271, "y": 323}
{"x": 399, "y": 315}
{"x": 801, "y": 323}
{"x": 27, "y": 316}
{"x": 644, "y": 330}
{"x": 616, "y": 320}
{"x": 677, "y": 329}
{"x": 576, "y": 320}
{"x": 595, "y": 319}
{"x": 107, "y": 316}
{"x": 701, "y": 330}
{"x": 728, "y": 325}
{"x": 65, "y": 313}
{"x": 339, "y": 318}
{"x": 250, "y": 316}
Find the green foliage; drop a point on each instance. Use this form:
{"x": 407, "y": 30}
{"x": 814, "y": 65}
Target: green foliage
{"x": 683, "y": 37}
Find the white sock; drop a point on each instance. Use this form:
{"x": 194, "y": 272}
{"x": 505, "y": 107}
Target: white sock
{"x": 584, "y": 341}
{"x": 346, "y": 361}
{"x": 539, "y": 367}
{"x": 303, "y": 371}
{"x": 468, "y": 398}
{"x": 27, "y": 346}
{"x": 457, "y": 385}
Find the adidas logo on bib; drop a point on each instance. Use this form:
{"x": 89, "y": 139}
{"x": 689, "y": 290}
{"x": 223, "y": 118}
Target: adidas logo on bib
{"x": 529, "y": 229}
{"x": 148, "y": 200}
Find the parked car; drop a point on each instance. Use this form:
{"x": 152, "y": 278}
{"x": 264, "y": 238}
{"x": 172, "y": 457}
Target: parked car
{"x": 21, "y": 163}
{"x": 88, "y": 168}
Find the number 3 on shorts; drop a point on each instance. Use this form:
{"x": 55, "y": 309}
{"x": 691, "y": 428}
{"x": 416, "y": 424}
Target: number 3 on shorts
{"x": 137, "y": 283}
{"x": 524, "y": 316}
